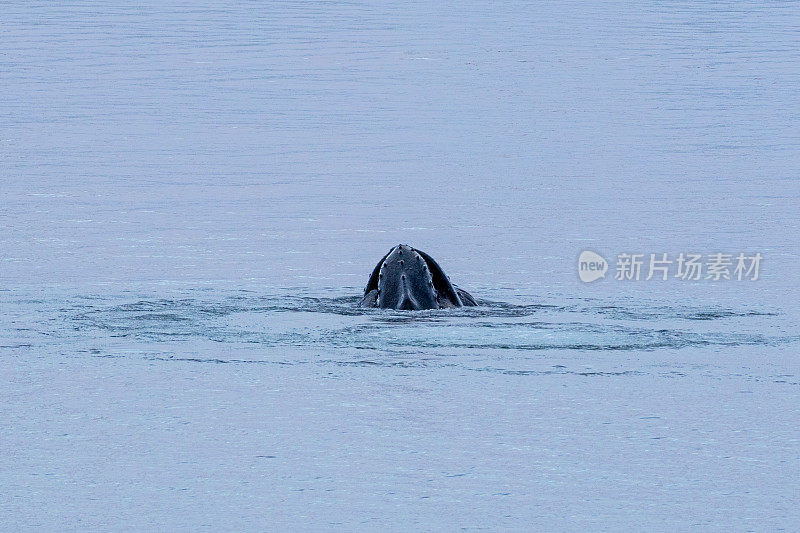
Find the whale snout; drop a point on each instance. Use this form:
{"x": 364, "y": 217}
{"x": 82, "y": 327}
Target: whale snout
{"x": 409, "y": 279}
{"x": 405, "y": 282}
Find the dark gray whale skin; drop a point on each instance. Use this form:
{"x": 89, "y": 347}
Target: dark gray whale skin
{"x": 409, "y": 279}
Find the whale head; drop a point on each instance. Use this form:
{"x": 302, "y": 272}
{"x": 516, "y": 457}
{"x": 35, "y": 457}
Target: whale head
{"x": 409, "y": 279}
{"x": 405, "y": 281}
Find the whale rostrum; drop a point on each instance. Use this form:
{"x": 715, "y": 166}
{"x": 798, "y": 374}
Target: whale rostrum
{"x": 409, "y": 279}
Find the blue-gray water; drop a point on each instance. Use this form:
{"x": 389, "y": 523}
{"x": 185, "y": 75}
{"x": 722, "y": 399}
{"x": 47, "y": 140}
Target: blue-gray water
{"x": 193, "y": 196}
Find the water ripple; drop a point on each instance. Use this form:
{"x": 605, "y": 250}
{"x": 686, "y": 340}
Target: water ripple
{"x": 336, "y": 323}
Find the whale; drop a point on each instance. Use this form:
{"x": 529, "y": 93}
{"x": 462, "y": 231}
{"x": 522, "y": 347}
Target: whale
{"x": 408, "y": 279}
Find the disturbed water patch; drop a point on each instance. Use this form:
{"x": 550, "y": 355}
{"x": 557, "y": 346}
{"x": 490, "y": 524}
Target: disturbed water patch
{"x": 336, "y": 323}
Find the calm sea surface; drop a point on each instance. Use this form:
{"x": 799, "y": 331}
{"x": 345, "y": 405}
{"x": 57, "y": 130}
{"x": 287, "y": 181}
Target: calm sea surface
{"x": 193, "y": 194}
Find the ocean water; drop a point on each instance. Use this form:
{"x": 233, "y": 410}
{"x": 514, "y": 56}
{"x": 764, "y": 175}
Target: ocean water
{"x": 192, "y": 196}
